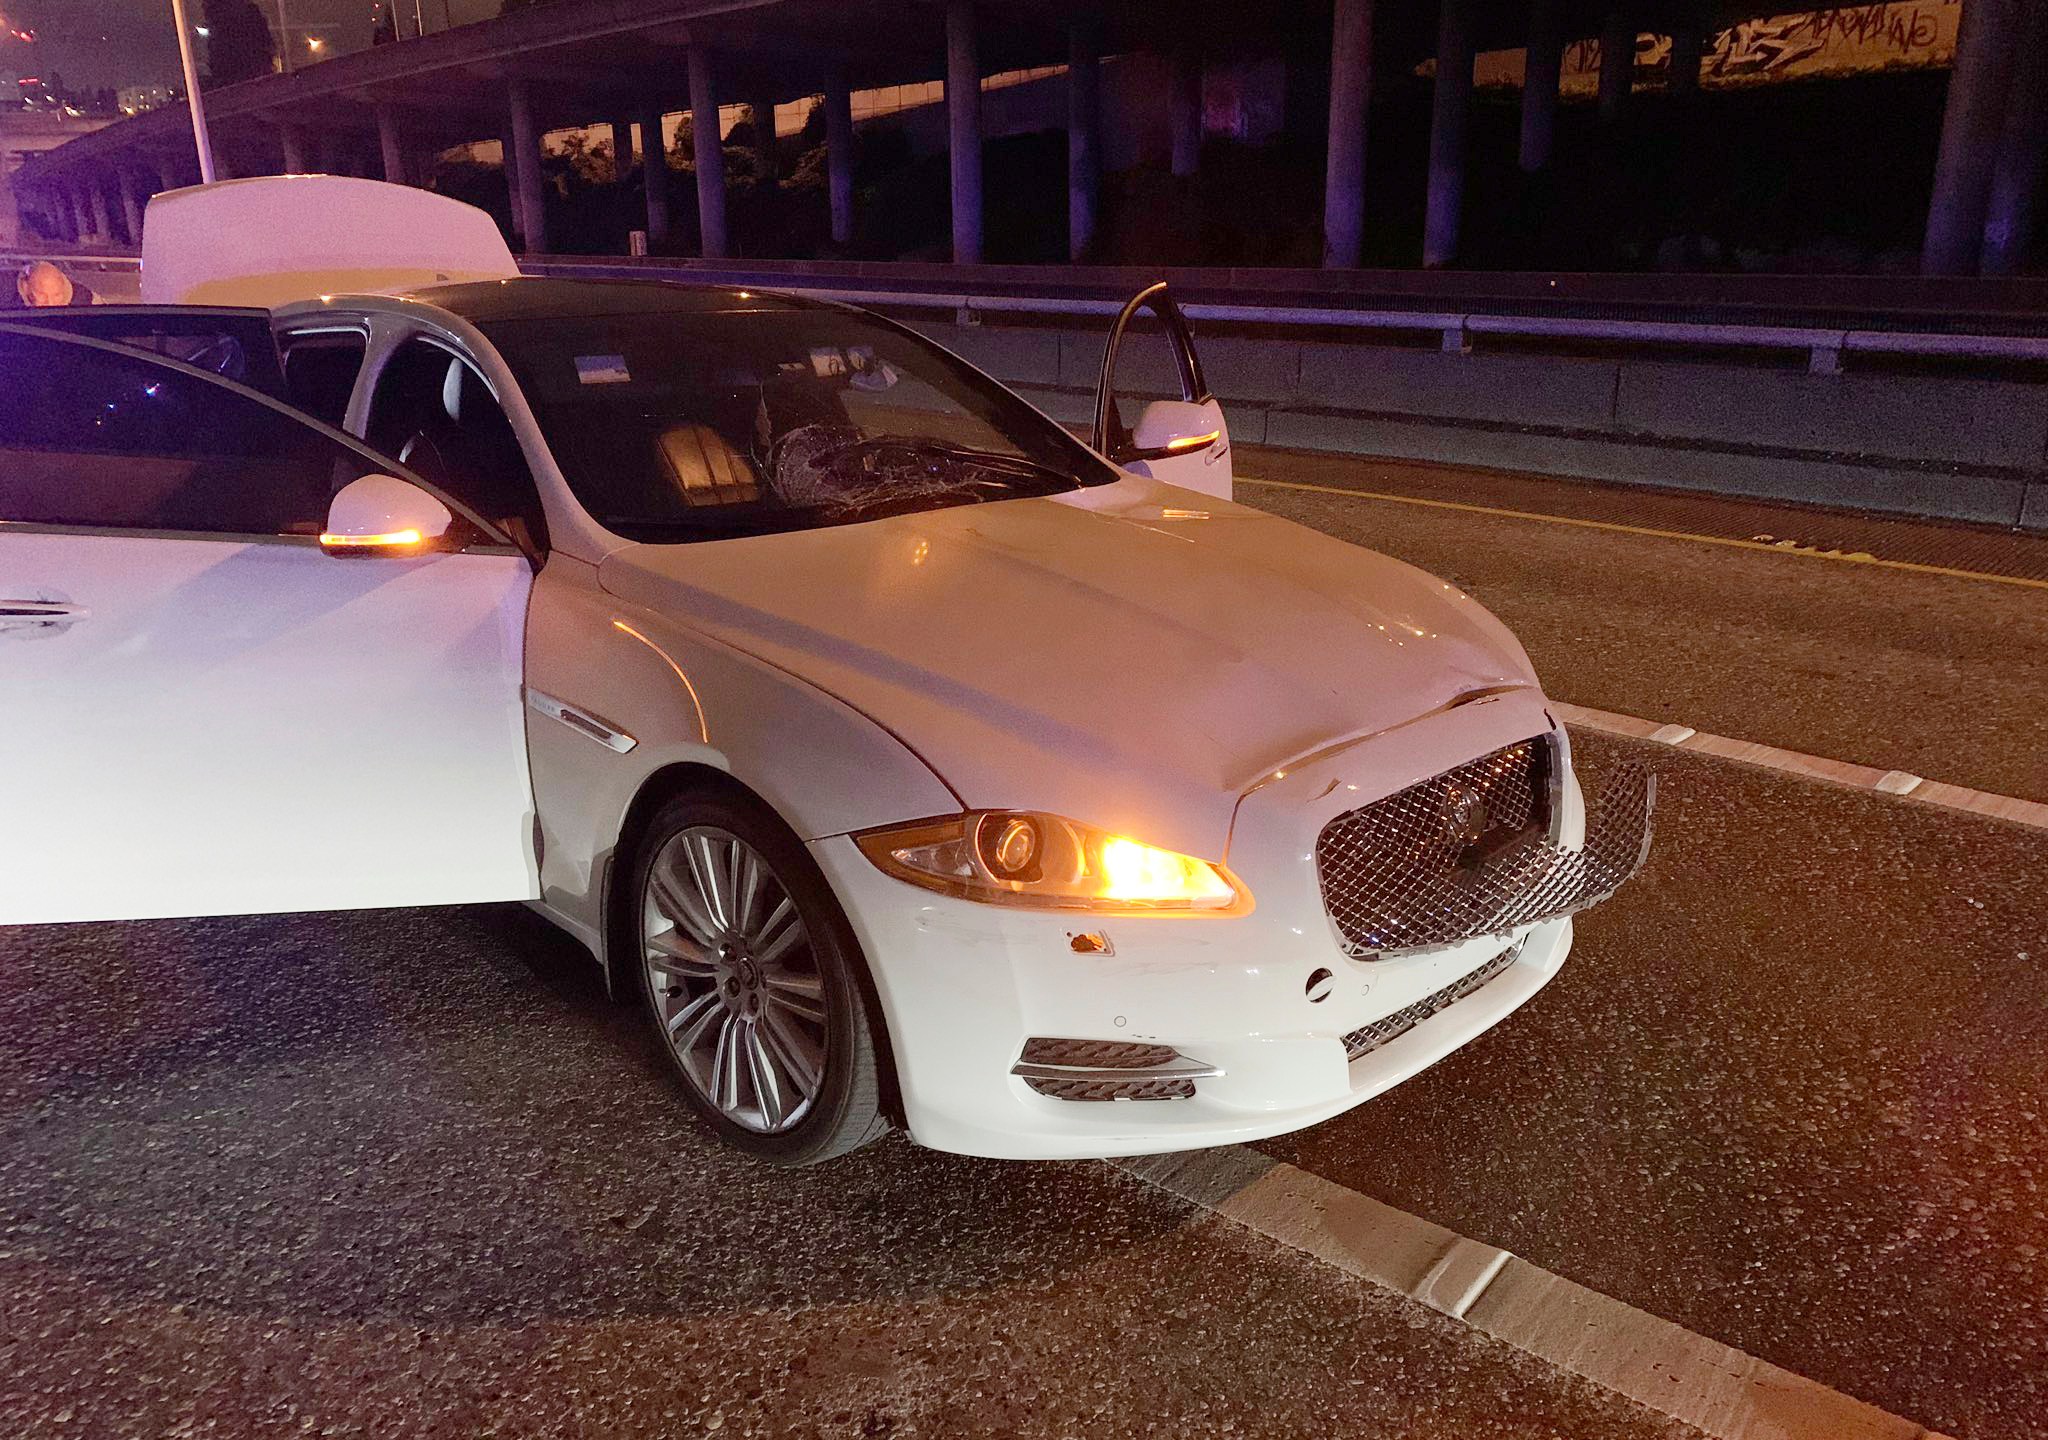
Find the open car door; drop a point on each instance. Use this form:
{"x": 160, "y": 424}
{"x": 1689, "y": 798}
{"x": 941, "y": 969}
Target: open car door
{"x": 242, "y": 666}
{"x": 1183, "y": 442}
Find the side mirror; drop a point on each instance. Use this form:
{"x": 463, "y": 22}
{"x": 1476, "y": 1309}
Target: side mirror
{"x": 1170, "y": 428}
{"x": 383, "y": 515}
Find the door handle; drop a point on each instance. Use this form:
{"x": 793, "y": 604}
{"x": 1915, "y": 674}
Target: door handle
{"x": 38, "y": 619}
{"x": 46, "y": 610}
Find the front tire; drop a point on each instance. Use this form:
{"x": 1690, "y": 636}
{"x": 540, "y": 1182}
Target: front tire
{"x": 749, "y": 973}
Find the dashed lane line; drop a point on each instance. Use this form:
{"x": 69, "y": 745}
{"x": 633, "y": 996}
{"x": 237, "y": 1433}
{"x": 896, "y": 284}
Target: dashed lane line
{"x": 1897, "y": 783}
{"x": 1616, "y": 527}
{"x": 1712, "y": 1387}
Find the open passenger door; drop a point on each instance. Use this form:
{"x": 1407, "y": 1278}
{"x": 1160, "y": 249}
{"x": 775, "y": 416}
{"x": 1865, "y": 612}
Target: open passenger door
{"x": 1183, "y": 442}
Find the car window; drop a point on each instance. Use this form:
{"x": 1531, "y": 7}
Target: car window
{"x": 320, "y": 373}
{"x": 90, "y": 435}
{"x": 234, "y": 344}
{"x": 432, "y": 410}
{"x": 679, "y": 425}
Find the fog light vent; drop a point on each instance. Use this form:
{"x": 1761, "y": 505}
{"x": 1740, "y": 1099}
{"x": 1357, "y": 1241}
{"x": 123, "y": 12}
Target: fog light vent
{"x": 1067, "y": 1069}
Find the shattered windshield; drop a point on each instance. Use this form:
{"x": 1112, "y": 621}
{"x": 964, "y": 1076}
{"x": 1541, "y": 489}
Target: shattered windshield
{"x": 693, "y": 425}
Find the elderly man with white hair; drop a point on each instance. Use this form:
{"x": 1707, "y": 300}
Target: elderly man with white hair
{"x": 42, "y": 285}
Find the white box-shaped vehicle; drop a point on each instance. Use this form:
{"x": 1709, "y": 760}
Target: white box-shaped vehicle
{"x": 906, "y": 759}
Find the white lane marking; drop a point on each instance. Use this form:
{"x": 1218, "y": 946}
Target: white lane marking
{"x": 1773, "y": 548}
{"x": 1700, "y": 1382}
{"x": 2031, "y": 813}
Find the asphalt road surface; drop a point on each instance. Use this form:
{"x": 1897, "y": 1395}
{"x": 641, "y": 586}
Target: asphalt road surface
{"x": 409, "y": 1172}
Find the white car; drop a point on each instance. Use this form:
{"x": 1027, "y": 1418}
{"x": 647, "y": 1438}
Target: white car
{"x": 908, "y": 761}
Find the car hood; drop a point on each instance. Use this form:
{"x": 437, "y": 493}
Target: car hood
{"x": 1133, "y": 656}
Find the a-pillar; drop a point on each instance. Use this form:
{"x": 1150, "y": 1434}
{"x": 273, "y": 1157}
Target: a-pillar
{"x": 2022, "y": 145}
{"x": 839, "y": 156}
{"x": 1084, "y": 135}
{"x": 1617, "y": 60}
{"x": 707, "y": 148}
{"x": 1987, "y": 38}
{"x": 761, "y": 112}
{"x": 390, "y": 147}
{"x": 1184, "y": 109}
{"x": 1540, "y": 77}
{"x": 531, "y": 206}
{"x": 1453, "y": 99}
{"x": 1350, "y": 98}
{"x": 963, "y": 130}
{"x": 131, "y": 203}
{"x": 292, "y": 141}
{"x": 654, "y": 168}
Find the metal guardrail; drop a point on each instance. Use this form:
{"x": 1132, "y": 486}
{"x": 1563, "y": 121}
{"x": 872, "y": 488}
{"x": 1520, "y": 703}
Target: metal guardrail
{"x": 1823, "y": 346}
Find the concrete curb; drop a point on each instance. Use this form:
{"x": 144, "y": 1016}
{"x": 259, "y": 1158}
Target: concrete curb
{"x": 1697, "y": 1381}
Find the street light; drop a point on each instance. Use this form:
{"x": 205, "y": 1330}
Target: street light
{"x": 200, "y": 141}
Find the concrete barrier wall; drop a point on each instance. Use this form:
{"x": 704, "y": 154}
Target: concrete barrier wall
{"x": 1947, "y": 443}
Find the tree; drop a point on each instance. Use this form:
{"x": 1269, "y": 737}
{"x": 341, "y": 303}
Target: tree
{"x": 239, "y": 44}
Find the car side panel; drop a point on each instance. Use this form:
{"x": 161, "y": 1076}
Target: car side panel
{"x": 673, "y": 697}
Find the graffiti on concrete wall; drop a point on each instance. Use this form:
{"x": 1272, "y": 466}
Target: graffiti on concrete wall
{"x": 1901, "y": 35}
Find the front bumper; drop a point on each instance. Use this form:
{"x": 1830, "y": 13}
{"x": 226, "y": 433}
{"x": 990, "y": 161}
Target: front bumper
{"x": 963, "y": 987}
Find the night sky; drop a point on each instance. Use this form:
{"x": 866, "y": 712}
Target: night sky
{"x": 131, "y": 42}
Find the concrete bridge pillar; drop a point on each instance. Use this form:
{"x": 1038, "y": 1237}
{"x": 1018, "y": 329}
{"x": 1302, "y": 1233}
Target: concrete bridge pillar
{"x": 102, "y": 226}
{"x": 1350, "y": 99}
{"x": 1617, "y": 60}
{"x": 1688, "y": 50}
{"x": 654, "y": 168}
{"x": 131, "y": 203}
{"x": 761, "y": 112}
{"x": 707, "y": 147}
{"x": 2022, "y": 146}
{"x": 531, "y": 206}
{"x": 1987, "y": 38}
{"x": 839, "y": 157}
{"x": 1540, "y": 78}
{"x": 963, "y": 130}
{"x": 1453, "y": 99}
{"x": 622, "y": 149}
{"x": 1184, "y": 109}
{"x": 390, "y": 146}
{"x": 293, "y": 142}
{"x": 1084, "y": 135}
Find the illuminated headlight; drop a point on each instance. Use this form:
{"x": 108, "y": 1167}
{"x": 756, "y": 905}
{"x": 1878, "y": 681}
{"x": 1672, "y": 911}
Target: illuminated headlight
{"x": 1015, "y": 857}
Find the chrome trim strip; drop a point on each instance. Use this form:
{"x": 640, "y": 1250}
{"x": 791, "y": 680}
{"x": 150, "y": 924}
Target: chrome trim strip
{"x": 581, "y": 721}
{"x": 1182, "y": 1070}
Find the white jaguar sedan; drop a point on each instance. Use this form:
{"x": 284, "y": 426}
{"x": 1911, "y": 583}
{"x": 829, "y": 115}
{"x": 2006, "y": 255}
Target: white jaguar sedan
{"x": 907, "y": 760}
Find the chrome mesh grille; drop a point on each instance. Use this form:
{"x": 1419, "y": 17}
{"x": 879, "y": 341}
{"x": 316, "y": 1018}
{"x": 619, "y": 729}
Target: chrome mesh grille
{"x": 1368, "y": 1038}
{"x": 1093, "y": 1065}
{"x": 1097, "y": 1054}
{"x": 1114, "y": 1089}
{"x": 1470, "y": 853}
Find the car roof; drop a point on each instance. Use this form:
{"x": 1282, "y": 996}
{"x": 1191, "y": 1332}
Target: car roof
{"x": 486, "y": 302}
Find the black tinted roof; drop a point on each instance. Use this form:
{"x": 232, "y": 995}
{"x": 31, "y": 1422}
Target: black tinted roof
{"x": 484, "y": 302}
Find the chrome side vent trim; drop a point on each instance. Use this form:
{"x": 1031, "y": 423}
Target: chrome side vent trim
{"x": 1094, "y": 1070}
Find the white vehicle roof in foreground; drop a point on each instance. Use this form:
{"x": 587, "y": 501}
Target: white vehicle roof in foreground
{"x": 273, "y": 239}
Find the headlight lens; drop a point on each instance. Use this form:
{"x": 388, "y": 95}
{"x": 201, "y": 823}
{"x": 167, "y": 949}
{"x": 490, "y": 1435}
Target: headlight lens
{"x": 1015, "y": 857}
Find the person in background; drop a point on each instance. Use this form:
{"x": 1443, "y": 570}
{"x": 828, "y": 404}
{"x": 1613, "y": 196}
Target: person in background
{"x": 42, "y": 285}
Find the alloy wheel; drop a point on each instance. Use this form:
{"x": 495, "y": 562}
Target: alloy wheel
{"x": 735, "y": 980}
